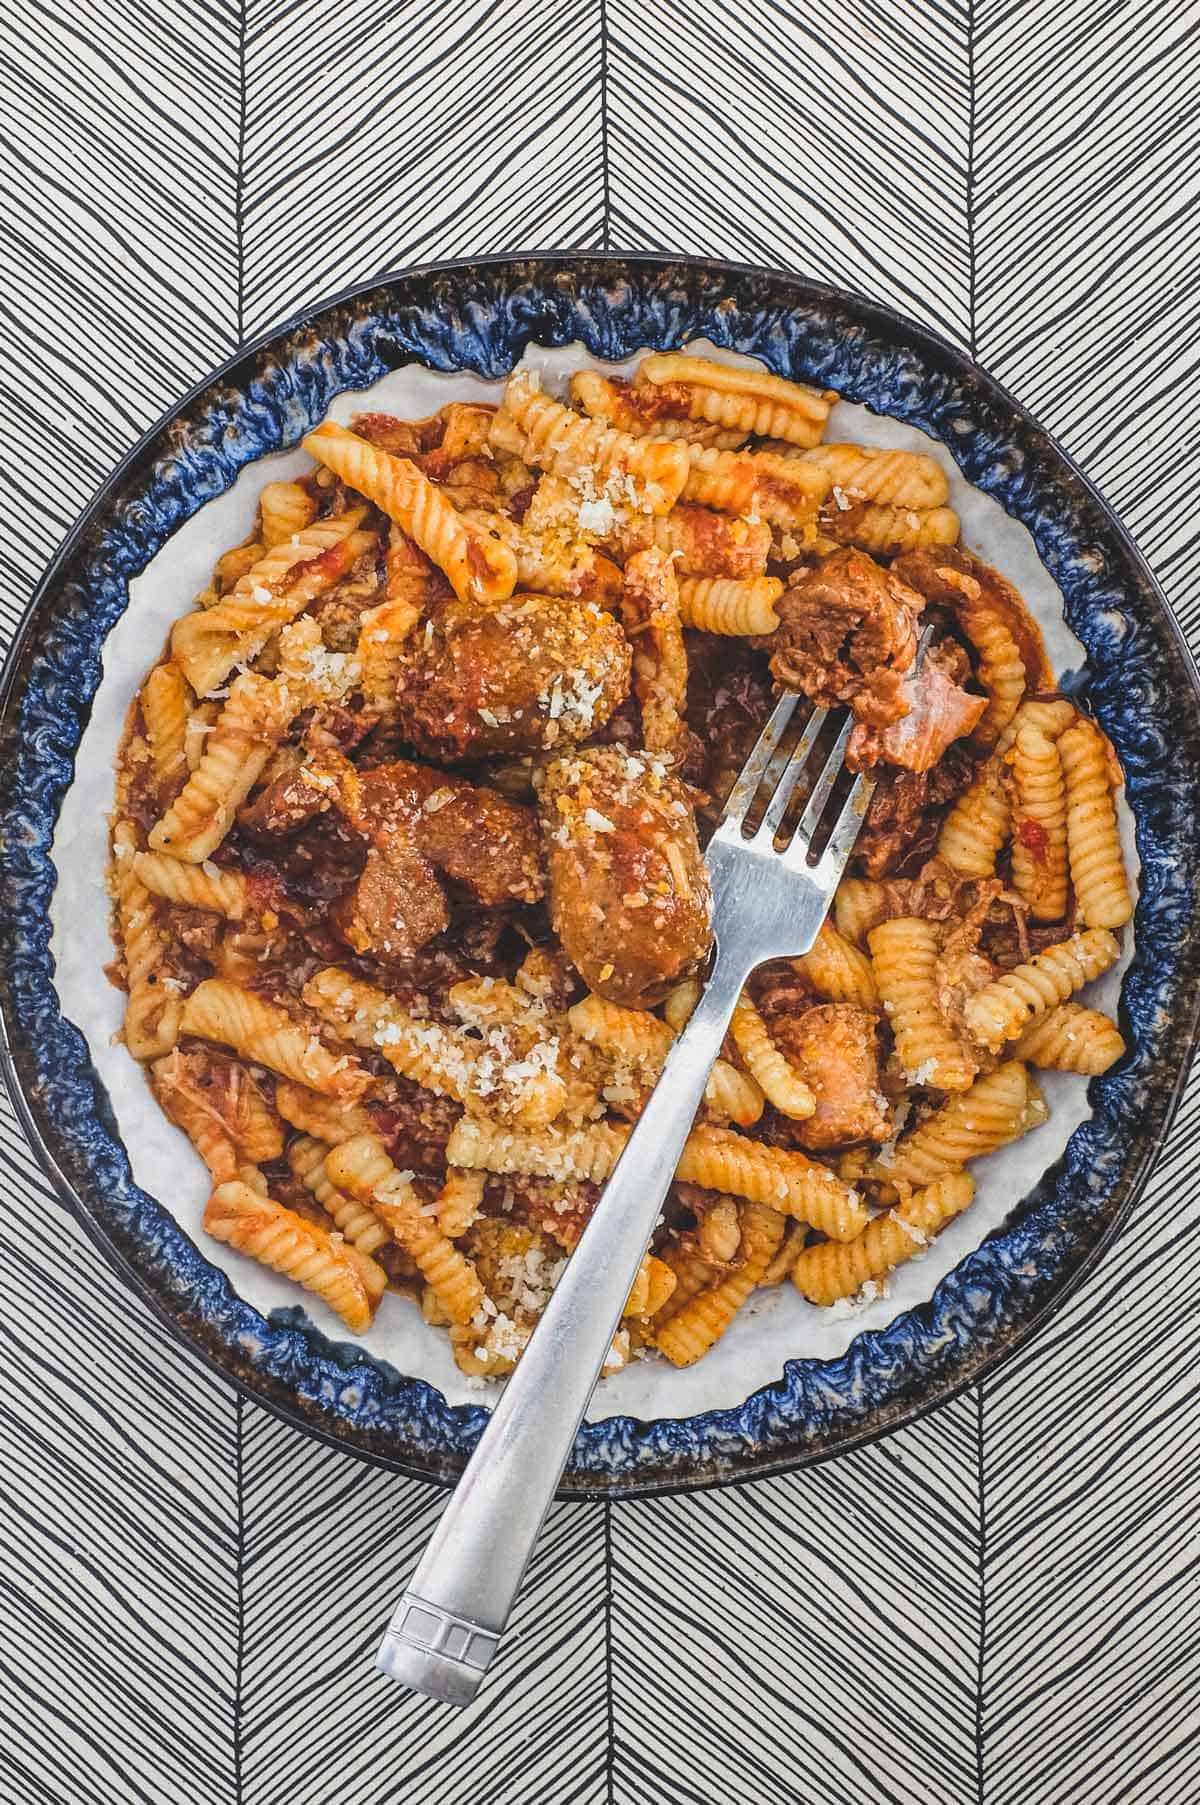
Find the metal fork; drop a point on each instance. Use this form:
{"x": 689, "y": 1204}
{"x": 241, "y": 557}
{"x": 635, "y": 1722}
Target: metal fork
{"x": 767, "y": 904}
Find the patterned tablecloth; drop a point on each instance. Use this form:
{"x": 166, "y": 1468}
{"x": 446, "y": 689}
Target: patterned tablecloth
{"x": 997, "y": 1604}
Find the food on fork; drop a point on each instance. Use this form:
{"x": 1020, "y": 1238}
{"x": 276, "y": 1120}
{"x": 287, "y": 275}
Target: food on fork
{"x": 408, "y": 880}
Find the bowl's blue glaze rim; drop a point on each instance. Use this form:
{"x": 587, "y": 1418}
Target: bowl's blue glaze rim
{"x": 1140, "y": 683}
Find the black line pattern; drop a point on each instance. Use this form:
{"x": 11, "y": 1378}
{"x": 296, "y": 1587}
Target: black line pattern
{"x": 999, "y": 1604}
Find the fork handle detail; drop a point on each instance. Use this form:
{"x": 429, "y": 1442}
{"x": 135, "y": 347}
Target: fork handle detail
{"x": 448, "y": 1623}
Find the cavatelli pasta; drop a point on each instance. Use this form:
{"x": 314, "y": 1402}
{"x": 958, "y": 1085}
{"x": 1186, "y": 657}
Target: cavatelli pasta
{"x": 904, "y": 953}
{"x": 1010, "y": 1004}
{"x": 566, "y": 444}
{"x": 699, "y": 541}
{"x": 857, "y": 906}
{"x": 977, "y": 826}
{"x": 877, "y": 527}
{"x": 480, "y": 567}
{"x": 833, "y": 1270}
{"x": 1072, "y": 1038}
{"x": 1102, "y": 894}
{"x": 740, "y": 398}
{"x": 634, "y": 1036}
{"x": 194, "y": 886}
{"x": 755, "y": 483}
{"x": 323, "y": 1118}
{"x": 692, "y": 1330}
{"x": 166, "y": 707}
{"x": 351, "y": 1217}
{"x": 783, "y": 1087}
{"x": 151, "y": 1025}
{"x": 362, "y": 1168}
{"x": 901, "y": 479}
{"x": 651, "y": 618}
{"x": 260, "y": 1031}
{"x": 729, "y": 605}
{"x": 248, "y": 729}
{"x": 284, "y": 509}
{"x": 1039, "y": 824}
{"x": 1000, "y": 1107}
{"x": 341, "y": 1275}
{"x": 837, "y": 970}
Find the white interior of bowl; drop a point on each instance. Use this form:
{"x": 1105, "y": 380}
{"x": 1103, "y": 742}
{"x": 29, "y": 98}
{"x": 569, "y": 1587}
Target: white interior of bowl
{"x": 776, "y": 1325}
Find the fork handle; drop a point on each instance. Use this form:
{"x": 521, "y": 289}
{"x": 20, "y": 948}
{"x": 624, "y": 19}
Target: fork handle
{"x": 447, "y": 1625}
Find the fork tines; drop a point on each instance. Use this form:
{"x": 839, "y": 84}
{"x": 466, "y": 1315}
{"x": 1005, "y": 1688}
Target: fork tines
{"x": 774, "y": 774}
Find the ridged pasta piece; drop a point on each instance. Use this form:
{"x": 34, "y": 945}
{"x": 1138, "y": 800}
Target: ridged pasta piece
{"x": 1072, "y": 1038}
{"x": 1039, "y": 824}
{"x": 1008, "y": 1005}
{"x": 977, "y": 825}
{"x": 204, "y": 1127}
{"x": 249, "y": 727}
{"x": 230, "y": 567}
{"x": 902, "y": 479}
{"x": 352, "y": 1218}
{"x": 637, "y": 1037}
{"x": 459, "y": 1201}
{"x": 837, "y": 970}
{"x": 200, "y": 723}
{"x": 209, "y": 642}
{"x": 323, "y": 1118}
{"x": 746, "y": 400}
{"x": 382, "y": 648}
{"x": 479, "y": 567}
{"x": 857, "y": 906}
{"x": 998, "y": 1108}
{"x": 1051, "y": 718}
{"x": 829, "y": 1271}
{"x": 718, "y": 1159}
{"x": 432, "y": 1054}
{"x": 515, "y": 1065}
{"x": 782, "y": 1086}
{"x": 362, "y": 1168}
{"x": 875, "y": 527}
{"x": 730, "y": 606}
{"x": 680, "y": 1005}
{"x": 166, "y": 706}
{"x": 755, "y": 483}
{"x": 554, "y": 562}
{"x": 699, "y": 541}
{"x": 691, "y": 1331}
{"x": 1000, "y": 671}
{"x": 176, "y": 881}
{"x": 152, "y": 1013}
{"x": 719, "y": 1230}
{"x": 650, "y": 616}
{"x": 341, "y": 1275}
{"x": 904, "y": 953}
{"x": 1102, "y": 894}
{"x": 652, "y": 1287}
{"x": 631, "y": 409}
{"x": 262, "y": 1032}
{"x": 284, "y": 509}
{"x": 566, "y": 444}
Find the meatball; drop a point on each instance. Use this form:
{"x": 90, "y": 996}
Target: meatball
{"x": 834, "y": 1048}
{"x": 629, "y": 893}
{"x": 524, "y": 675}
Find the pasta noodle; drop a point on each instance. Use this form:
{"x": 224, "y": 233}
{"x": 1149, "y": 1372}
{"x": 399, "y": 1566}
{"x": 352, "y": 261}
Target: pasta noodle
{"x": 480, "y": 568}
{"x": 729, "y": 605}
{"x": 782, "y": 1087}
{"x": 1010, "y": 1004}
{"x": 837, "y": 970}
{"x": 322, "y": 1118}
{"x": 249, "y": 727}
{"x": 978, "y": 824}
{"x": 351, "y": 1217}
{"x": 151, "y": 1025}
{"x": 284, "y": 509}
{"x": 650, "y": 611}
{"x": 362, "y": 1168}
{"x": 567, "y": 445}
{"x": 1000, "y": 1107}
{"x": 638, "y": 1037}
{"x": 692, "y": 1330}
{"x": 1072, "y": 1038}
{"x": 831, "y": 1271}
{"x": 755, "y": 483}
{"x": 166, "y": 706}
{"x": 1039, "y": 854}
{"x": 904, "y": 953}
{"x": 342, "y": 1276}
{"x": 746, "y": 400}
{"x": 876, "y": 527}
{"x": 178, "y": 882}
{"x": 901, "y": 479}
{"x": 266, "y": 1034}
{"x": 857, "y": 906}
{"x": 1097, "y": 868}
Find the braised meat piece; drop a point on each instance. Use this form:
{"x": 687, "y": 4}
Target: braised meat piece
{"x": 395, "y": 907}
{"x": 525, "y": 675}
{"x": 904, "y": 816}
{"x": 937, "y": 712}
{"x": 848, "y": 634}
{"x": 629, "y": 894}
{"x": 834, "y": 1048}
{"x": 471, "y": 834}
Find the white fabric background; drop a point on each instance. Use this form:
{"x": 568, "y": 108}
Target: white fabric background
{"x": 995, "y": 1606}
